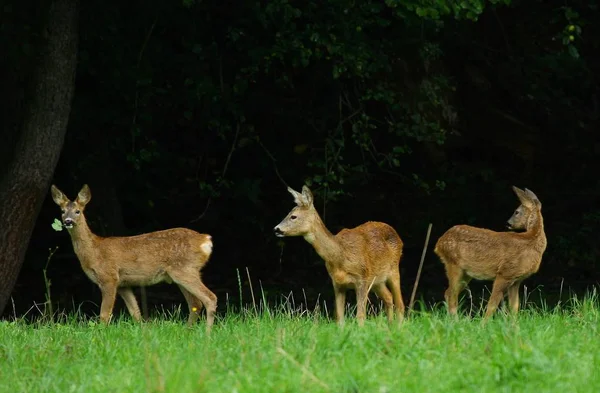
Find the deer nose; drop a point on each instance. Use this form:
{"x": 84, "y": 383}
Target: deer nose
{"x": 277, "y": 231}
{"x": 68, "y": 221}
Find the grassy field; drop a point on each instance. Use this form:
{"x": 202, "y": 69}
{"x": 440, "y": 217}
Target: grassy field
{"x": 283, "y": 351}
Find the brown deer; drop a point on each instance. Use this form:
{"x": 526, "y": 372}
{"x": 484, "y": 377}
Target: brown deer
{"x": 507, "y": 258}
{"x": 117, "y": 263}
{"x": 362, "y": 258}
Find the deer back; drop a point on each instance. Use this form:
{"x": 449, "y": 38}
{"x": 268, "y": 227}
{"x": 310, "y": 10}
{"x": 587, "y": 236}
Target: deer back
{"x": 483, "y": 254}
{"x": 375, "y": 245}
{"x": 137, "y": 260}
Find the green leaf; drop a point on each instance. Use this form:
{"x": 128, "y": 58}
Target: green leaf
{"x": 573, "y": 51}
{"x": 57, "y": 225}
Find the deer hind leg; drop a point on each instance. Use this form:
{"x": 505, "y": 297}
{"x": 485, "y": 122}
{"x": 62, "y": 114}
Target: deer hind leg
{"x": 131, "y": 303}
{"x": 190, "y": 280}
{"x": 109, "y": 294}
{"x": 340, "y": 303}
{"x": 457, "y": 281}
{"x": 362, "y": 292}
{"x": 386, "y": 296}
{"x": 513, "y": 297}
{"x": 194, "y": 305}
{"x": 500, "y": 286}
{"x": 394, "y": 284}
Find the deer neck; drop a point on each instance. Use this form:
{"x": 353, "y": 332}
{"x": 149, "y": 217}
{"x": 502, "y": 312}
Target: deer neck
{"x": 536, "y": 230}
{"x": 324, "y": 243}
{"x": 82, "y": 237}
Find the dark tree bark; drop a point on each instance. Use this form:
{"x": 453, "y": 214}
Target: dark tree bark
{"x": 24, "y": 184}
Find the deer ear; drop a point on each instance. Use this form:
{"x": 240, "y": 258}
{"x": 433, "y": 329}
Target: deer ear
{"x": 298, "y": 199}
{"x": 532, "y": 197}
{"x": 522, "y": 195}
{"x": 58, "y": 197}
{"x": 84, "y": 195}
{"x": 307, "y": 195}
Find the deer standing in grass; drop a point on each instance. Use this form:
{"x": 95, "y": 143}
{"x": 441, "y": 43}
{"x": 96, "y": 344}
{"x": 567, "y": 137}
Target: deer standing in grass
{"x": 362, "y": 258}
{"x": 117, "y": 263}
{"x": 507, "y": 258}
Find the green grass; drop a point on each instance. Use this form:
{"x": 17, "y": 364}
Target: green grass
{"x": 284, "y": 351}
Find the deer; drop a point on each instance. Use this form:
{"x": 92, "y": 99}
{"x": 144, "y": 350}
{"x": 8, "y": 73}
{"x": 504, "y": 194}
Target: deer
{"x": 116, "y": 264}
{"x": 507, "y": 258}
{"x": 363, "y": 258}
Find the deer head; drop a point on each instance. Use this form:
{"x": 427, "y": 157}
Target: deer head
{"x": 302, "y": 218}
{"x": 526, "y": 214}
{"x": 72, "y": 211}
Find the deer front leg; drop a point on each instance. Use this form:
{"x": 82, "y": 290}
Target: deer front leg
{"x": 109, "y": 293}
{"x": 340, "y": 303}
{"x": 362, "y": 292}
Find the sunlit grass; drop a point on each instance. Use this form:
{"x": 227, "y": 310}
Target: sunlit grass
{"x": 285, "y": 350}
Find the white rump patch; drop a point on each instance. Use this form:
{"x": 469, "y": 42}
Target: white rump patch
{"x": 207, "y": 246}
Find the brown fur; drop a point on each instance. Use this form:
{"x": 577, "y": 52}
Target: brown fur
{"x": 507, "y": 258}
{"x": 362, "y": 258}
{"x": 117, "y": 263}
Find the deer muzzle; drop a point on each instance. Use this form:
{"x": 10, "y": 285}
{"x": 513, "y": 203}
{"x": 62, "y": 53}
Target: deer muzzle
{"x": 278, "y": 232}
{"x": 68, "y": 222}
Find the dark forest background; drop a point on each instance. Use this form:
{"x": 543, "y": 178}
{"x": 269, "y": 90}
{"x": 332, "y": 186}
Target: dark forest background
{"x": 199, "y": 113}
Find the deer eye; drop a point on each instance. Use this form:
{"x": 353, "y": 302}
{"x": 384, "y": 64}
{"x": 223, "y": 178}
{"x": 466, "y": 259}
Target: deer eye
{"x": 293, "y": 217}
{"x": 62, "y": 211}
{"x": 77, "y": 211}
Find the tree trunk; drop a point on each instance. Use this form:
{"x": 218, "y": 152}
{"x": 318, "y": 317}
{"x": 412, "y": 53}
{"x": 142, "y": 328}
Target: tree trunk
{"x": 24, "y": 184}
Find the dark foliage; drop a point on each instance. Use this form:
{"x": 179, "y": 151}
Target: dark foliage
{"x": 198, "y": 114}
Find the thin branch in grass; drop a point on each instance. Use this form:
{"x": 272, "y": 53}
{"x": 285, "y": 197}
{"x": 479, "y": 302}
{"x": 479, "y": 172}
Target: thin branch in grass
{"x": 414, "y": 291}
{"x": 562, "y": 281}
{"x": 302, "y": 368}
{"x": 48, "y": 312}
{"x": 251, "y": 291}
{"x": 240, "y": 288}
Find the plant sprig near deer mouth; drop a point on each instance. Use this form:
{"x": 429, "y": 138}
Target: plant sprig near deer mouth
{"x": 117, "y": 263}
